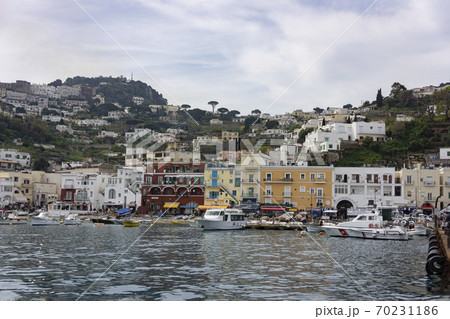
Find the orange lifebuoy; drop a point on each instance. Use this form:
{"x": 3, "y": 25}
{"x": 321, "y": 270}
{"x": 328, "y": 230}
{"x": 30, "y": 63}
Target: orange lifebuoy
{"x": 376, "y": 225}
{"x": 370, "y": 225}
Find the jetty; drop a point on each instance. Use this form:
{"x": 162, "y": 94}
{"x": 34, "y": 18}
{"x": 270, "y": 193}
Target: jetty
{"x": 438, "y": 258}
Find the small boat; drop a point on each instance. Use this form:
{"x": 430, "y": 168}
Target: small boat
{"x": 44, "y": 220}
{"x": 107, "y": 221}
{"x": 131, "y": 223}
{"x": 72, "y": 219}
{"x": 11, "y": 218}
{"x": 222, "y": 219}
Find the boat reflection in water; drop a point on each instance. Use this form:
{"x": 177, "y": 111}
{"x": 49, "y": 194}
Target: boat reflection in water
{"x": 222, "y": 219}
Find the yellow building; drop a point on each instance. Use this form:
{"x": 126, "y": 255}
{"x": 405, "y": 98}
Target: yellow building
{"x": 304, "y": 187}
{"x": 222, "y": 185}
{"x": 23, "y": 186}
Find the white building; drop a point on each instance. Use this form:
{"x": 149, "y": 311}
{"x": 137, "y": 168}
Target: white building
{"x": 6, "y": 191}
{"x": 138, "y": 100}
{"x": 367, "y": 187}
{"x": 123, "y": 188}
{"x": 86, "y": 188}
{"x": 328, "y": 137}
{"x": 24, "y": 159}
{"x": 92, "y": 122}
{"x": 103, "y": 134}
{"x": 444, "y": 153}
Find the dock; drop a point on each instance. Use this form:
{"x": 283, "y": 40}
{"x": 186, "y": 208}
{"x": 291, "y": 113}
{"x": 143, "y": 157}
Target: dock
{"x": 438, "y": 258}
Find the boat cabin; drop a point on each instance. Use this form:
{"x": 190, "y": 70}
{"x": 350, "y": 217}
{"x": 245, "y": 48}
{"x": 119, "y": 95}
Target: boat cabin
{"x": 224, "y": 214}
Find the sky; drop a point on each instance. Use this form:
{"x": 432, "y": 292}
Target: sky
{"x": 275, "y": 56}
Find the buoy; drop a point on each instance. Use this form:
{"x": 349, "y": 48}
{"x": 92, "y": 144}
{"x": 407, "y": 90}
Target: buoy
{"x": 300, "y": 236}
{"x": 10, "y": 224}
{"x": 321, "y": 233}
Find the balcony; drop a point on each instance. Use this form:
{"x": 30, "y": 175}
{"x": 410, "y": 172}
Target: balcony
{"x": 287, "y": 194}
{"x": 286, "y": 179}
{"x": 254, "y": 181}
{"x": 429, "y": 183}
{"x": 447, "y": 184}
{"x": 69, "y": 186}
{"x": 249, "y": 195}
{"x": 320, "y": 180}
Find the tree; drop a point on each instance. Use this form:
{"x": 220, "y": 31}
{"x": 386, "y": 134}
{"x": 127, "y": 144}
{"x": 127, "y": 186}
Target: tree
{"x": 40, "y": 164}
{"x": 185, "y": 107}
{"x": 318, "y": 110}
{"x": 272, "y": 124}
{"x": 213, "y": 105}
{"x": 233, "y": 113}
{"x": 256, "y": 112}
{"x": 347, "y": 106}
{"x": 222, "y": 110}
{"x": 379, "y": 99}
{"x": 396, "y": 88}
{"x": 56, "y": 83}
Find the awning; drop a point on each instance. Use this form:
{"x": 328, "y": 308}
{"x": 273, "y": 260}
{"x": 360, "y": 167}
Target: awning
{"x": 293, "y": 209}
{"x": 282, "y": 209}
{"x": 204, "y": 207}
{"x": 171, "y": 205}
{"x": 20, "y": 199}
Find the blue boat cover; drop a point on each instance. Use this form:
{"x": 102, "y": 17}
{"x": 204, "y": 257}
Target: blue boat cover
{"x": 123, "y": 211}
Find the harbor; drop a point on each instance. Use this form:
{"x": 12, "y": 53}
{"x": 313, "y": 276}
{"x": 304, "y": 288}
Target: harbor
{"x": 173, "y": 262}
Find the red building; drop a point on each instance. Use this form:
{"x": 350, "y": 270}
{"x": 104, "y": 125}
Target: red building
{"x": 177, "y": 188}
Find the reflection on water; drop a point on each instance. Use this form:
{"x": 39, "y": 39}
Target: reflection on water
{"x": 184, "y": 263}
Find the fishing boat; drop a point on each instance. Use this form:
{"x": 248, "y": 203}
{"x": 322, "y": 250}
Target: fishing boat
{"x": 222, "y": 219}
{"x": 367, "y": 226}
{"x": 107, "y": 221}
{"x": 43, "y": 219}
{"x": 72, "y": 219}
{"x": 131, "y": 223}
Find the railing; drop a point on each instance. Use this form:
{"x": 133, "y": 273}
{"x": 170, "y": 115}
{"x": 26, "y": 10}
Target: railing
{"x": 287, "y": 194}
{"x": 429, "y": 183}
{"x": 286, "y": 179}
{"x": 250, "y": 195}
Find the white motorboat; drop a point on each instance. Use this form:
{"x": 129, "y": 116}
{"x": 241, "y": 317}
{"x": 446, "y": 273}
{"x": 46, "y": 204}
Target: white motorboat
{"x": 222, "y": 219}
{"x": 363, "y": 225}
{"x": 43, "y": 219}
{"x": 11, "y": 218}
{"x": 72, "y": 219}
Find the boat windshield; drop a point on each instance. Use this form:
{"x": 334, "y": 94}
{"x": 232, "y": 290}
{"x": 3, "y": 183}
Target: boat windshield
{"x": 361, "y": 218}
{"x": 212, "y": 213}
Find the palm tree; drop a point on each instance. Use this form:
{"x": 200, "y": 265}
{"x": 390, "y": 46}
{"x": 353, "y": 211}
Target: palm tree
{"x": 213, "y": 104}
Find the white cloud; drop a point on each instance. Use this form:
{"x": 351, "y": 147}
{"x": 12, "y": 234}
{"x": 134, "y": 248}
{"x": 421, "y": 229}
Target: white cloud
{"x": 244, "y": 55}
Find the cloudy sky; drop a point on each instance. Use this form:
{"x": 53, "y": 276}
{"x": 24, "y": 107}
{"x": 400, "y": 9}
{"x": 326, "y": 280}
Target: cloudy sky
{"x": 276, "y": 56}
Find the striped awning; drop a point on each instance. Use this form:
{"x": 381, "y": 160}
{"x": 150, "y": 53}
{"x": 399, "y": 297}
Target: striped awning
{"x": 204, "y": 207}
{"x": 171, "y": 205}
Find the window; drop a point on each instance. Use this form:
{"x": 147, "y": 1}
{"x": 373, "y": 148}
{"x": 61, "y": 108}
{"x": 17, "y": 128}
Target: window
{"x": 234, "y": 192}
{"x": 287, "y": 176}
{"x": 287, "y": 190}
{"x": 302, "y": 189}
{"x": 268, "y": 176}
{"x": 312, "y": 190}
{"x": 68, "y": 196}
{"x": 302, "y": 176}
{"x": 312, "y": 176}
{"x": 409, "y": 194}
{"x": 268, "y": 200}
{"x": 268, "y": 190}
{"x": 429, "y": 196}
{"x": 321, "y": 176}
{"x": 408, "y": 179}
{"x": 112, "y": 193}
{"x": 341, "y": 189}
{"x": 320, "y": 192}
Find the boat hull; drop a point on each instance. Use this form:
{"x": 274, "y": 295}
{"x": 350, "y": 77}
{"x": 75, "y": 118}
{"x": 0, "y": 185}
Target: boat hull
{"x": 221, "y": 225}
{"x": 36, "y": 221}
{"x": 68, "y": 222}
{"x": 107, "y": 221}
{"x": 13, "y": 221}
{"x": 128, "y": 223}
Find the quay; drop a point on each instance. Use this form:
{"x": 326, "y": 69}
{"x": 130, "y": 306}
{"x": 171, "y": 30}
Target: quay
{"x": 438, "y": 258}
